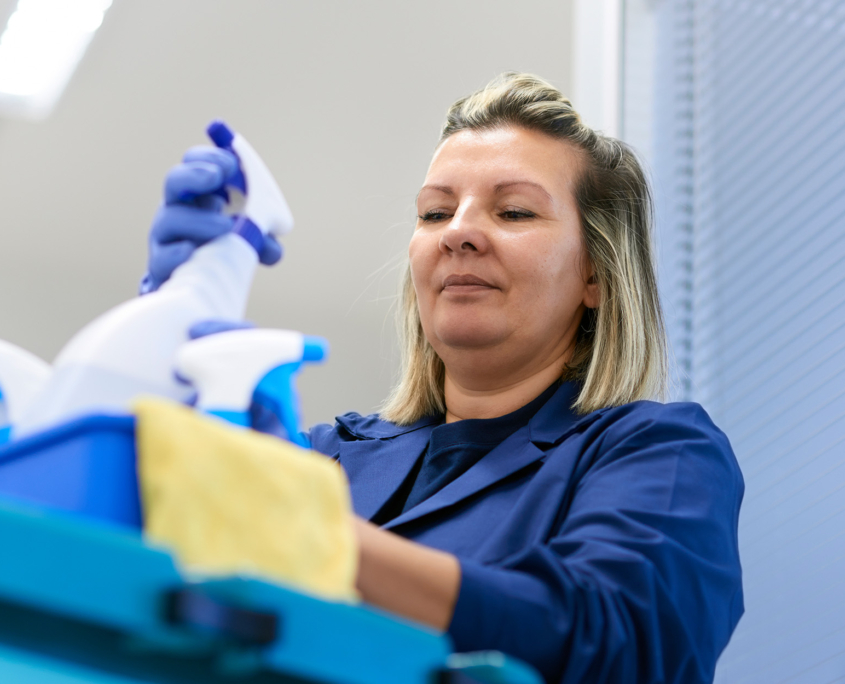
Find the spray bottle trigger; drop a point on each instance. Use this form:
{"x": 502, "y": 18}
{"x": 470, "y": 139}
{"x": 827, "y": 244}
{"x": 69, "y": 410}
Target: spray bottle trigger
{"x": 277, "y": 394}
{"x": 223, "y": 137}
{"x": 314, "y": 348}
{"x": 220, "y": 134}
{"x": 276, "y": 391}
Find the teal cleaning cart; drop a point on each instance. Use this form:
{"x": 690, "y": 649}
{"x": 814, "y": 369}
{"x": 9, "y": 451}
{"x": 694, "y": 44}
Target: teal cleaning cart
{"x": 83, "y": 599}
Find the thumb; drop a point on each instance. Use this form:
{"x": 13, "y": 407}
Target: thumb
{"x": 271, "y": 251}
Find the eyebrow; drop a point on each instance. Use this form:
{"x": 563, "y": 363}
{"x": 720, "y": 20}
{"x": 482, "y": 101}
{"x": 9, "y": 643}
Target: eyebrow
{"x": 508, "y": 184}
{"x": 442, "y": 188}
{"x": 445, "y": 189}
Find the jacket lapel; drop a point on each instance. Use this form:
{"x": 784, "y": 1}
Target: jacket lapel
{"x": 376, "y": 468}
{"x": 549, "y": 426}
{"x": 512, "y": 455}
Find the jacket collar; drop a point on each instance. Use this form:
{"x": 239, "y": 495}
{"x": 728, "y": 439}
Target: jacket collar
{"x": 556, "y": 419}
{"x": 512, "y": 455}
{"x": 380, "y": 461}
{"x": 373, "y": 427}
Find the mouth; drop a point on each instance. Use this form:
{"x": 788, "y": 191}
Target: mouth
{"x": 466, "y": 283}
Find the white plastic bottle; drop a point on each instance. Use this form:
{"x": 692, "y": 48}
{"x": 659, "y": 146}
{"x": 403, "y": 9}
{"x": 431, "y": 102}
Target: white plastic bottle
{"x": 22, "y": 376}
{"x": 130, "y": 349}
{"x": 231, "y": 370}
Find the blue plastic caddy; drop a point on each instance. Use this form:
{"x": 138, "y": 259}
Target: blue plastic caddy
{"x": 83, "y": 599}
{"x": 85, "y": 467}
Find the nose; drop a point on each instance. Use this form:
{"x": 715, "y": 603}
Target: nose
{"x": 465, "y": 233}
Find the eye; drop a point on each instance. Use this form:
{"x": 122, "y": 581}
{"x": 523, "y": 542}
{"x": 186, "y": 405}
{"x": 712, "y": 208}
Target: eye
{"x": 433, "y": 216}
{"x": 517, "y": 214}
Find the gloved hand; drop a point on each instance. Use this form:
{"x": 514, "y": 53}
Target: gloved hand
{"x": 217, "y": 325}
{"x": 261, "y": 418}
{"x": 192, "y": 214}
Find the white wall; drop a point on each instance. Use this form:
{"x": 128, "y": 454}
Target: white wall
{"x": 597, "y": 62}
{"x": 344, "y": 100}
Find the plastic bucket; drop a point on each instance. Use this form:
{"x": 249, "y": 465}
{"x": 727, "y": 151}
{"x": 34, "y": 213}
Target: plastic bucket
{"x": 85, "y": 466}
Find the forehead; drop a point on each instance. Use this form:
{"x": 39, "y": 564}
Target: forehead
{"x": 502, "y": 154}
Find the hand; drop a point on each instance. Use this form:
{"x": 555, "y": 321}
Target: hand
{"x": 405, "y": 577}
{"x": 192, "y": 214}
{"x": 213, "y": 326}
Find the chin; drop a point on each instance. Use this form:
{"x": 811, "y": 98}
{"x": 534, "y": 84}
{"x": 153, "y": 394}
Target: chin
{"x": 468, "y": 334}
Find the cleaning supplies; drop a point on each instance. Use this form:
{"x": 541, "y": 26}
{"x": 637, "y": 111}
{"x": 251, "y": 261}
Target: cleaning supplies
{"x": 226, "y": 501}
{"x": 22, "y": 375}
{"x": 231, "y": 370}
{"x": 257, "y": 201}
{"x": 130, "y": 350}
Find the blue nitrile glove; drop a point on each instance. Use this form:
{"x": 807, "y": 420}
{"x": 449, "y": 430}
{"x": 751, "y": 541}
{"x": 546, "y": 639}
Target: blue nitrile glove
{"x": 192, "y": 214}
{"x": 261, "y": 418}
{"x": 217, "y": 325}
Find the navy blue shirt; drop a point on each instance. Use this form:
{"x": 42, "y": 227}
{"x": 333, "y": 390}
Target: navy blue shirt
{"x": 453, "y": 448}
{"x": 599, "y": 548}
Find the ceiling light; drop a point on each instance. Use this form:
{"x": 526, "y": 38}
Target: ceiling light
{"x": 39, "y": 50}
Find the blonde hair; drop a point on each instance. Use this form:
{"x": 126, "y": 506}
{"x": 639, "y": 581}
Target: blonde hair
{"x": 620, "y": 347}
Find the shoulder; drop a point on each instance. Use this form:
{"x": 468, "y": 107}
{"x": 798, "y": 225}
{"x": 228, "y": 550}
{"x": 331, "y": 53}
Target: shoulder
{"x": 634, "y": 423}
{"x": 327, "y": 438}
{"x": 677, "y": 421}
{"x": 679, "y": 439}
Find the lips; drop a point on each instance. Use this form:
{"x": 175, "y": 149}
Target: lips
{"x": 467, "y": 281}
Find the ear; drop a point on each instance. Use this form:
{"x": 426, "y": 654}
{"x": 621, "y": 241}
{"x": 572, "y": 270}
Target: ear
{"x": 592, "y": 294}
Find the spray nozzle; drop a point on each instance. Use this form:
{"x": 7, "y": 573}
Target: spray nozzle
{"x": 235, "y": 370}
{"x": 263, "y": 209}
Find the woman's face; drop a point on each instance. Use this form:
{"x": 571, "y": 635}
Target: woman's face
{"x": 497, "y": 258}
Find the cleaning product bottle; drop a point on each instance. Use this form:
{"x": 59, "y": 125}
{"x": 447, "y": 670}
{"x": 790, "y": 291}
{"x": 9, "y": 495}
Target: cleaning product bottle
{"x": 22, "y": 375}
{"x": 234, "y": 369}
{"x": 130, "y": 349}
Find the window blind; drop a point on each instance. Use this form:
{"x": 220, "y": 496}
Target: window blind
{"x": 749, "y": 164}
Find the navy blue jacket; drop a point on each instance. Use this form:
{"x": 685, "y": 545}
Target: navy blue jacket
{"x": 598, "y": 548}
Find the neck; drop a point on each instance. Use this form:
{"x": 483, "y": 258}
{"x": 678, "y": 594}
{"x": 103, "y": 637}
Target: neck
{"x": 464, "y": 401}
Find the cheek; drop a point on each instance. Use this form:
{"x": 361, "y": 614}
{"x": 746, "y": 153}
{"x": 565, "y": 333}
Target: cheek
{"x": 417, "y": 259}
{"x": 422, "y": 258}
{"x": 550, "y": 273}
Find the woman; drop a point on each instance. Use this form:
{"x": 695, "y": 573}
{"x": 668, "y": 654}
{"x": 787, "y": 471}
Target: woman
{"x": 516, "y": 490}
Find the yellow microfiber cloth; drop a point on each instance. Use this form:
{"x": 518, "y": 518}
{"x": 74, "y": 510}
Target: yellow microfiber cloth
{"x": 232, "y": 501}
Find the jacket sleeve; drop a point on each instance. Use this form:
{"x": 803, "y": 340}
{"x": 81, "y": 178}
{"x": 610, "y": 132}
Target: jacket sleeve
{"x": 640, "y": 583}
{"x": 324, "y": 439}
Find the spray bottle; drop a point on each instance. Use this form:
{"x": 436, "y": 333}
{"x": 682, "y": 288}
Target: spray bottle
{"x": 233, "y": 370}
{"x": 22, "y": 375}
{"x": 130, "y": 349}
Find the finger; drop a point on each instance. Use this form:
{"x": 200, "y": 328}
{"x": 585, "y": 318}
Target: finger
{"x": 208, "y": 202}
{"x": 227, "y": 161}
{"x": 176, "y": 223}
{"x": 186, "y": 181}
{"x": 164, "y": 259}
{"x": 215, "y": 326}
{"x": 148, "y": 284}
{"x": 271, "y": 251}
